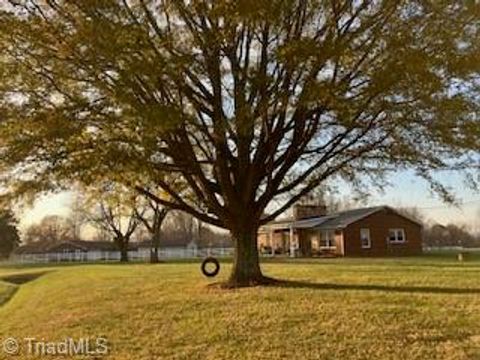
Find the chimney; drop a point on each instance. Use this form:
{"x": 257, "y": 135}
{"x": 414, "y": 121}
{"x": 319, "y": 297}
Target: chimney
{"x": 308, "y": 211}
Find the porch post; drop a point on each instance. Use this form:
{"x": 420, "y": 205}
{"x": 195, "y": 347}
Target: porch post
{"x": 342, "y": 243}
{"x": 271, "y": 241}
{"x": 292, "y": 242}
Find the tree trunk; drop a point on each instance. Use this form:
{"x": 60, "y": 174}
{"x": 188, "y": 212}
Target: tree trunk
{"x": 124, "y": 253}
{"x": 123, "y": 247}
{"x": 246, "y": 267}
{"x": 154, "y": 259}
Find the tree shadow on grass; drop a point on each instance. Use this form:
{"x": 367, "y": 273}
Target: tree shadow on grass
{"x": 385, "y": 288}
{"x": 19, "y": 279}
{"x": 378, "y": 262}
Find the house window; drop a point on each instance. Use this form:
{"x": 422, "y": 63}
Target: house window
{"x": 327, "y": 239}
{"x": 365, "y": 238}
{"x": 396, "y": 235}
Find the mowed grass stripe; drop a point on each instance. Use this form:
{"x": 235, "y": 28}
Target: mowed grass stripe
{"x": 6, "y": 292}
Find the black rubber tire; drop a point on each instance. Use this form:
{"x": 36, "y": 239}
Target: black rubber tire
{"x": 210, "y": 260}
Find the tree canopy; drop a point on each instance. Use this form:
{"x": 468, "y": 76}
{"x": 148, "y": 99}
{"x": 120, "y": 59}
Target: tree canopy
{"x": 245, "y": 102}
{"x": 50, "y": 230}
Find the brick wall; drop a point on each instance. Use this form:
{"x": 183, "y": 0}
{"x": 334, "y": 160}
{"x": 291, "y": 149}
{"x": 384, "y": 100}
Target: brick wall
{"x": 379, "y": 225}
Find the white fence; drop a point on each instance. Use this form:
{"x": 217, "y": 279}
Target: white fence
{"x": 449, "y": 248}
{"x": 136, "y": 255}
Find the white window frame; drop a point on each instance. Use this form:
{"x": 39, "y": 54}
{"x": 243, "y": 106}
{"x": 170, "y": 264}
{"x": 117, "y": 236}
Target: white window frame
{"x": 366, "y": 231}
{"x": 397, "y": 231}
{"x": 330, "y": 241}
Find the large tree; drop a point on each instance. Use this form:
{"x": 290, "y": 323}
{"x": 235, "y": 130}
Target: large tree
{"x": 9, "y": 237}
{"x": 248, "y": 103}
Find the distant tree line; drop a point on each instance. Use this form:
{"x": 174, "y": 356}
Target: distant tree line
{"x": 438, "y": 235}
{"x": 450, "y": 235}
{"x": 107, "y": 222}
{"x": 52, "y": 229}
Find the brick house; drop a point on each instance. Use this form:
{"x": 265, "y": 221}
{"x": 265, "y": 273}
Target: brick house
{"x": 373, "y": 231}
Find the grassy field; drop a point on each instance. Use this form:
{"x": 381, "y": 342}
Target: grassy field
{"x": 6, "y": 292}
{"x": 418, "y": 308}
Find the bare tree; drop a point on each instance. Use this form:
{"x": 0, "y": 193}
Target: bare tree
{"x": 152, "y": 218}
{"x": 113, "y": 209}
{"x": 51, "y": 229}
{"x": 76, "y": 218}
{"x": 120, "y": 224}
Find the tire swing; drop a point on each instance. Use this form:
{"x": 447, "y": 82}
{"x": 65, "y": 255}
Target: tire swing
{"x": 210, "y": 272}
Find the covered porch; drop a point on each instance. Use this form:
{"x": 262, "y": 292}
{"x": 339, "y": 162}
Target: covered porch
{"x": 302, "y": 238}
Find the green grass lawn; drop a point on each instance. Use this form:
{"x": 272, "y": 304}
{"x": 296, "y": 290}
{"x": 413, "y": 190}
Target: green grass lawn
{"x": 6, "y": 291}
{"x": 417, "y": 308}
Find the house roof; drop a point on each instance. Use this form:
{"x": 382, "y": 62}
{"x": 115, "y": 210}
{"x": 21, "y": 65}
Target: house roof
{"x": 168, "y": 243}
{"x": 83, "y": 245}
{"x": 338, "y": 220}
{"x": 298, "y": 224}
{"x": 345, "y": 218}
{"x": 29, "y": 249}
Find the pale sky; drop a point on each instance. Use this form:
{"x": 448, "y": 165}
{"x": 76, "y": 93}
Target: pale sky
{"x": 406, "y": 190}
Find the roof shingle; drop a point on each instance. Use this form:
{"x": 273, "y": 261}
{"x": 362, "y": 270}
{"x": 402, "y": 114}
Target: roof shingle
{"x": 338, "y": 220}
